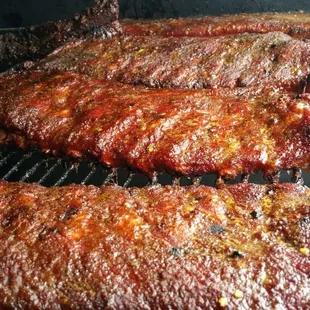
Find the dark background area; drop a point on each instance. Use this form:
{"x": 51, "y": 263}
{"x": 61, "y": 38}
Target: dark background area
{"x": 16, "y": 13}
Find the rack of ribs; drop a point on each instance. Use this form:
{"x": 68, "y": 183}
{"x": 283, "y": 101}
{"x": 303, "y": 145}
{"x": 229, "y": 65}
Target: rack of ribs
{"x": 160, "y": 247}
{"x": 232, "y": 61}
{"x": 188, "y": 132}
{"x": 296, "y": 24}
{"x": 80, "y": 247}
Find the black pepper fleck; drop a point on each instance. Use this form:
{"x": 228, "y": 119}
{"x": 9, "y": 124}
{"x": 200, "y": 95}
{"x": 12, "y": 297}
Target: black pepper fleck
{"x": 304, "y": 221}
{"x": 237, "y": 254}
{"x": 216, "y": 229}
{"x": 69, "y": 213}
{"x": 175, "y": 251}
{"x": 255, "y": 214}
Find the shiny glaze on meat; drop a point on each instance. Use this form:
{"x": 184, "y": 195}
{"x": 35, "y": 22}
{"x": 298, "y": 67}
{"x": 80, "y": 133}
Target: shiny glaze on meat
{"x": 80, "y": 247}
{"x": 179, "y": 131}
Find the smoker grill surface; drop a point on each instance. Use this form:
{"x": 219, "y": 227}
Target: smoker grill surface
{"x": 33, "y": 166}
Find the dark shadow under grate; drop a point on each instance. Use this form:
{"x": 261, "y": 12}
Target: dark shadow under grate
{"x": 35, "y": 167}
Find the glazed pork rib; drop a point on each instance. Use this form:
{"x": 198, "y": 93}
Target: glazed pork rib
{"x": 296, "y": 24}
{"x": 78, "y": 247}
{"x": 179, "y": 131}
{"x": 37, "y": 41}
{"x": 236, "y": 61}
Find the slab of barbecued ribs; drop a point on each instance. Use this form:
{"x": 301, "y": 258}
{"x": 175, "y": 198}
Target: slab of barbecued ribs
{"x": 78, "y": 247}
{"x": 295, "y": 24}
{"x": 37, "y": 41}
{"x": 231, "y": 61}
{"x": 180, "y": 131}
{"x": 241, "y": 246}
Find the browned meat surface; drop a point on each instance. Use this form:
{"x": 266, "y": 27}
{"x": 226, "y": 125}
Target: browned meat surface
{"x": 37, "y": 41}
{"x": 80, "y": 247}
{"x": 295, "y": 24}
{"x": 180, "y": 131}
{"x": 244, "y": 60}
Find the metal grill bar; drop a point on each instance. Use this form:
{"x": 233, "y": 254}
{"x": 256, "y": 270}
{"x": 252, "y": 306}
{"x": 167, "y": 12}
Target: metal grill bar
{"x": 64, "y": 176}
{"x": 111, "y": 178}
{"x": 297, "y": 176}
{"x": 16, "y": 166}
{"x": 31, "y": 171}
{"x": 89, "y": 175}
{"x": 245, "y": 178}
{"x": 129, "y": 179}
{"x": 5, "y": 30}
{"x": 49, "y": 171}
{"x": 196, "y": 180}
{"x": 275, "y": 178}
{"x": 176, "y": 181}
{"x": 6, "y": 158}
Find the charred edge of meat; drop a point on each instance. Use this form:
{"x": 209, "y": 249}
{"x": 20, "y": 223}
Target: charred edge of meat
{"x": 34, "y": 42}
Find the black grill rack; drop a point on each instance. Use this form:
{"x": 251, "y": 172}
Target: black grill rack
{"x": 33, "y": 166}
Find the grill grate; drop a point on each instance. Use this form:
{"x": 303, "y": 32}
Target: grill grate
{"x": 35, "y": 167}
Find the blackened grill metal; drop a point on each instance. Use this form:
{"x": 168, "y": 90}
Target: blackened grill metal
{"x": 33, "y": 166}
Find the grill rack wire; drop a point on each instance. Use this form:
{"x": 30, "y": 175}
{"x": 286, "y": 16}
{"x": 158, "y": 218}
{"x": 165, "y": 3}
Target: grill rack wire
{"x": 33, "y": 166}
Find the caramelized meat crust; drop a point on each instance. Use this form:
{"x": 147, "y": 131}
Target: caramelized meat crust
{"x": 178, "y": 131}
{"x": 37, "y": 41}
{"x": 80, "y": 247}
{"x": 296, "y": 24}
{"x": 237, "y": 61}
